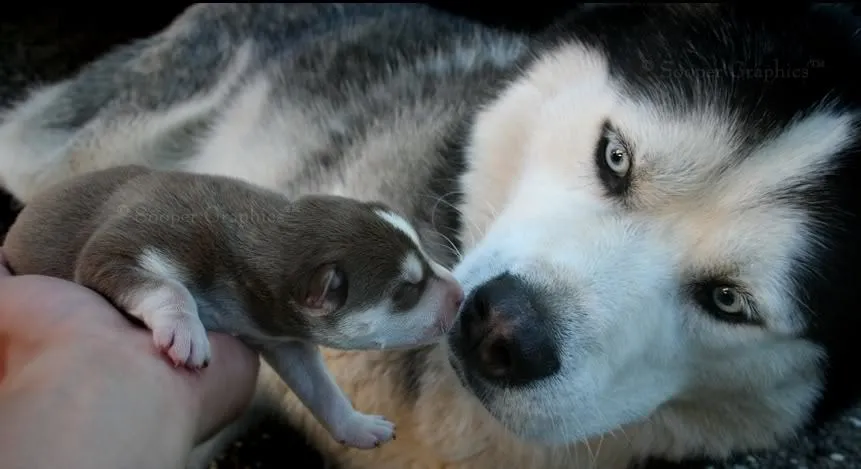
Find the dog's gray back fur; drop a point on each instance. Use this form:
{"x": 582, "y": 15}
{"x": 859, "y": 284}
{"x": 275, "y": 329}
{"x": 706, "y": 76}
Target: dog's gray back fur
{"x": 375, "y": 94}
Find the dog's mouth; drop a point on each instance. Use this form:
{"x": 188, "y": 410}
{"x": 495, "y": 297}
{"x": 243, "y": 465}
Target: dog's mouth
{"x": 457, "y": 367}
{"x": 455, "y": 360}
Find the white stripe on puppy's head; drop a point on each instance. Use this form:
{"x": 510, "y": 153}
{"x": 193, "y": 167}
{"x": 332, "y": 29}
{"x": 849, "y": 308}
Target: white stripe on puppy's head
{"x": 402, "y": 225}
{"x": 399, "y": 223}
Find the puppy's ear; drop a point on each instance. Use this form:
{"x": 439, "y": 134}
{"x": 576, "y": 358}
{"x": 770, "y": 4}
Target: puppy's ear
{"x": 326, "y": 290}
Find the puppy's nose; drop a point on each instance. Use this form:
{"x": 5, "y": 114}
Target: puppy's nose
{"x": 452, "y": 300}
{"x": 454, "y": 295}
{"x": 505, "y": 335}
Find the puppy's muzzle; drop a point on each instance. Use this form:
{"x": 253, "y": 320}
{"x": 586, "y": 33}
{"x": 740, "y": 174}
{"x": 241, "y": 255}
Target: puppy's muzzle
{"x": 504, "y": 335}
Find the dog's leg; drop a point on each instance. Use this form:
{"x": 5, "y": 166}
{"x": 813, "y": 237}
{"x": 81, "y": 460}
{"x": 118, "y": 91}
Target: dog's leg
{"x": 302, "y": 368}
{"x": 163, "y": 304}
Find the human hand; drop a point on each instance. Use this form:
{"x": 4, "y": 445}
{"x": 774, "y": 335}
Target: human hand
{"x": 82, "y": 387}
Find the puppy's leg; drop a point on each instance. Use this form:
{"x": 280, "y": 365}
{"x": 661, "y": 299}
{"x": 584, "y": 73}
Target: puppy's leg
{"x": 162, "y": 303}
{"x": 302, "y": 368}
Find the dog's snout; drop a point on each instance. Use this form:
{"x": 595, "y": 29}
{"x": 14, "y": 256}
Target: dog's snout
{"x": 504, "y": 335}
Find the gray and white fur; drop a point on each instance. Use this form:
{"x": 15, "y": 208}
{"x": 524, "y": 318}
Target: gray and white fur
{"x": 656, "y": 205}
{"x": 188, "y": 253}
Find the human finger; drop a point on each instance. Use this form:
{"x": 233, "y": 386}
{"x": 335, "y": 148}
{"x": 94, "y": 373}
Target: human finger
{"x": 223, "y": 390}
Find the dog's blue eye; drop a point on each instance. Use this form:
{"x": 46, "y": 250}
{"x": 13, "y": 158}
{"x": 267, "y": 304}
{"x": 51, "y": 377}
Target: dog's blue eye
{"x": 613, "y": 161}
{"x": 618, "y": 160}
{"x": 728, "y": 300}
{"x": 725, "y": 302}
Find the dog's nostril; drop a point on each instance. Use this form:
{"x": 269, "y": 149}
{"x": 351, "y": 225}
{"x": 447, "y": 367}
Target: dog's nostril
{"x": 480, "y": 306}
{"x": 497, "y": 358}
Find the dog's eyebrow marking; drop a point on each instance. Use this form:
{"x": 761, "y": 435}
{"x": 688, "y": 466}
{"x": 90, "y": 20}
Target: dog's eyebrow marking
{"x": 399, "y": 224}
{"x": 412, "y": 268}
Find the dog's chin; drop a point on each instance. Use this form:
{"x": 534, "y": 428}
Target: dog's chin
{"x": 484, "y": 393}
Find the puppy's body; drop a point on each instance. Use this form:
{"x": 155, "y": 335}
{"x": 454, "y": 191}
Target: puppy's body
{"x": 657, "y": 208}
{"x": 187, "y": 253}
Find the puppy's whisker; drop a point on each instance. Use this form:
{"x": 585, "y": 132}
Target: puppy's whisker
{"x": 454, "y": 249}
{"x": 471, "y": 231}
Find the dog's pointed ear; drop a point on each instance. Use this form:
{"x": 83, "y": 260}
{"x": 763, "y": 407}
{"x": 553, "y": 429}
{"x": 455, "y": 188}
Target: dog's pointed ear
{"x": 326, "y": 290}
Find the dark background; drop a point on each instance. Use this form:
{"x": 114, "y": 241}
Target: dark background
{"x": 47, "y": 42}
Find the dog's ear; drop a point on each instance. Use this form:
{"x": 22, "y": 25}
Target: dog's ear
{"x": 326, "y": 290}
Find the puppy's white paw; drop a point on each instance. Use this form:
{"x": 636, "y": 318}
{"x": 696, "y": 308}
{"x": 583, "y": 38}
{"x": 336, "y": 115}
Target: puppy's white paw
{"x": 365, "y": 431}
{"x": 182, "y": 337}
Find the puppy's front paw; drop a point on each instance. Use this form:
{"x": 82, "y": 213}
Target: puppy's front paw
{"x": 365, "y": 431}
{"x": 182, "y": 337}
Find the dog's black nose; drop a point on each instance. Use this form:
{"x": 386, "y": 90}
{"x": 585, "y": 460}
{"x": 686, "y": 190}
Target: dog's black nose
{"x": 504, "y": 335}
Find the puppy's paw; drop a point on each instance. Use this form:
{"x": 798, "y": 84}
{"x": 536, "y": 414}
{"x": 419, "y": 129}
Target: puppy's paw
{"x": 182, "y": 337}
{"x": 364, "y": 431}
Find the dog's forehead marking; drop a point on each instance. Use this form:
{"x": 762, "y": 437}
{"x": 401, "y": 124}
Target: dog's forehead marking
{"x": 703, "y": 155}
{"x": 707, "y": 146}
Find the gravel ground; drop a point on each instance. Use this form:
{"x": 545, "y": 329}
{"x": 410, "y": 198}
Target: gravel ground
{"x": 838, "y": 446}
{"x": 53, "y": 42}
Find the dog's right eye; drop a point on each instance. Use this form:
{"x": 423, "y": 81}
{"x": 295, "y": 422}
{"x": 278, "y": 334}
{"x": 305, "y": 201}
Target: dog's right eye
{"x": 614, "y": 161}
{"x": 726, "y": 302}
{"x": 617, "y": 159}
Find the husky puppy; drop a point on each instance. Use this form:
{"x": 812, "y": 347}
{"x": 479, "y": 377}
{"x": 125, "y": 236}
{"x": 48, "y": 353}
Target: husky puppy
{"x": 187, "y": 253}
{"x": 657, "y": 207}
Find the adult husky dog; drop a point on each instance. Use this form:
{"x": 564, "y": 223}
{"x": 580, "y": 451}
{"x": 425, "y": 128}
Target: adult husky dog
{"x": 657, "y": 208}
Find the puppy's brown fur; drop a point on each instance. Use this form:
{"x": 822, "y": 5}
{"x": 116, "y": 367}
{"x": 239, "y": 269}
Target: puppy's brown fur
{"x": 218, "y": 228}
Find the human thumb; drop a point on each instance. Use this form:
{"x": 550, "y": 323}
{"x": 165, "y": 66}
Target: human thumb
{"x": 226, "y": 386}
{"x": 4, "y": 268}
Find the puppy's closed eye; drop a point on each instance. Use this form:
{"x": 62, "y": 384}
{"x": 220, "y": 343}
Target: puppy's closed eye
{"x": 327, "y": 289}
